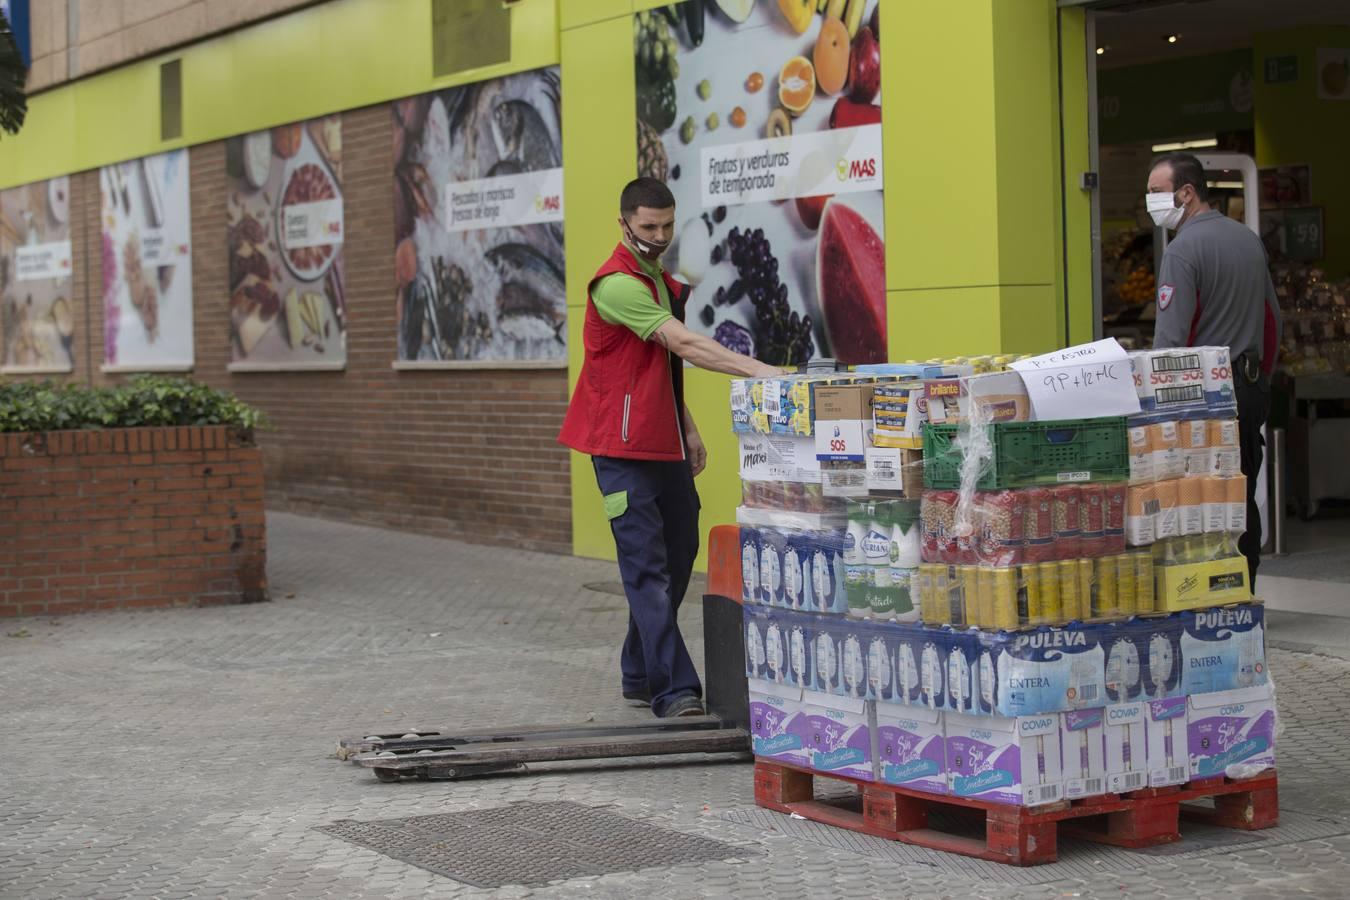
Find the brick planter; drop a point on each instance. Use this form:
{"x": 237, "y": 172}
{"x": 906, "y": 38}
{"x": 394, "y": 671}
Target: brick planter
{"x": 130, "y": 518}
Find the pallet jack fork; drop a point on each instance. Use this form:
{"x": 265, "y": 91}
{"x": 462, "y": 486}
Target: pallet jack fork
{"x": 463, "y": 754}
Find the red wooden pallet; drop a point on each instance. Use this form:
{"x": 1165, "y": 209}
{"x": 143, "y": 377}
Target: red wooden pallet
{"x": 1018, "y": 835}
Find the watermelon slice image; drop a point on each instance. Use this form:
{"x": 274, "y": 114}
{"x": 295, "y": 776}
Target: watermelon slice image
{"x": 851, "y": 284}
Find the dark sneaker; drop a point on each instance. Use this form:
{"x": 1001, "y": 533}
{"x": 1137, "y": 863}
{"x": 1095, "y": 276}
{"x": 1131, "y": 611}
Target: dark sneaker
{"x": 640, "y": 697}
{"x": 687, "y": 705}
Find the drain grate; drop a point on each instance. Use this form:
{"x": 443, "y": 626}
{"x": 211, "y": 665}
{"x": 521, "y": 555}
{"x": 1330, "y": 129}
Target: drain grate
{"x": 1077, "y": 859}
{"x": 529, "y": 843}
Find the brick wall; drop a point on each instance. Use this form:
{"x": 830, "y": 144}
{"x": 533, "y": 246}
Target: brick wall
{"x": 132, "y": 518}
{"x": 467, "y": 454}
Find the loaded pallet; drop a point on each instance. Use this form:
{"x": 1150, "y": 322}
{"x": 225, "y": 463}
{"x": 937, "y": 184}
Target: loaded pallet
{"x": 1020, "y": 835}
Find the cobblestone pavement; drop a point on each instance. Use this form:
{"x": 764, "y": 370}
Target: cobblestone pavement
{"x": 190, "y": 752}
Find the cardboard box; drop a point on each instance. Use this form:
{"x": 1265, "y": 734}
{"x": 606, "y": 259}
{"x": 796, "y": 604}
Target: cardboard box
{"x": 911, "y": 748}
{"x": 1004, "y": 760}
{"x": 1183, "y": 587}
{"x": 1168, "y": 747}
{"x": 843, "y": 416}
{"x": 1223, "y": 649}
{"x": 1083, "y": 739}
{"x": 999, "y": 397}
{"x": 838, "y": 735}
{"x": 899, "y": 412}
{"x": 778, "y": 730}
{"x": 1126, "y": 747}
{"x": 1232, "y": 732}
{"x": 1048, "y": 670}
{"x": 893, "y": 470}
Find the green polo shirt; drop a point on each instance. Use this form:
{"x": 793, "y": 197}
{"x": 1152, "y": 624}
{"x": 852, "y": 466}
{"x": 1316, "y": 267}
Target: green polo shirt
{"x": 623, "y": 299}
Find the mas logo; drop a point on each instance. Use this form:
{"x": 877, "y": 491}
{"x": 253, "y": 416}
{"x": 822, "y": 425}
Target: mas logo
{"x": 551, "y": 203}
{"x": 856, "y": 169}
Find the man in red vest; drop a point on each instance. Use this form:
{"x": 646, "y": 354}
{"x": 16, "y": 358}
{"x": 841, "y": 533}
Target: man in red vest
{"x": 628, "y": 414}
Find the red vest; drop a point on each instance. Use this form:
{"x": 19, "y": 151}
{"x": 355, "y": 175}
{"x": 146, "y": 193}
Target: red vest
{"x": 630, "y": 391}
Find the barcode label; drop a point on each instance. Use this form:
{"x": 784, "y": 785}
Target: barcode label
{"x": 1176, "y": 363}
{"x": 1187, "y": 393}
{"x": 1132, "y": 781}
{"x": 1176, "y": 774}
{"x": 1094, "y": 786}
{"x": 1043, "y": 794}
{"x": 1073, "y": 476}
{"x": 1151, "y": 507}
{"x": 738, "y": 398}
{"x": 773, "y": 406}
{"x": 1087, "y": 692}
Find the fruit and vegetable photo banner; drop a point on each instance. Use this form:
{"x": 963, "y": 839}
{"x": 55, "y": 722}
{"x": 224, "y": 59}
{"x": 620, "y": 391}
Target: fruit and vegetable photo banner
{"x": 764, "y": 118}
{"x": 287, "y": 297}
{"x": 478, "y": 212}
{"x": 147, "y": 264}
{"x": 37, "y": 314}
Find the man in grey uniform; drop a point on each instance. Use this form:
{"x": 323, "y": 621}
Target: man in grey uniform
{"x": 1214, "y": 290}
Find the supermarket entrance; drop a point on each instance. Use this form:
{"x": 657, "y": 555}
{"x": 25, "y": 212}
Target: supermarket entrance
{"x": 1260, "y": 92}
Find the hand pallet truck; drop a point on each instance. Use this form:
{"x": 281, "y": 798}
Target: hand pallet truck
{"x": 462, "y": 754}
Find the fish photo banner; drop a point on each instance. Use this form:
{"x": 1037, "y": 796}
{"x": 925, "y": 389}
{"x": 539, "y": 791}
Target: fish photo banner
{"x": 765, "y": 121}
{"x": 478, "y": 212}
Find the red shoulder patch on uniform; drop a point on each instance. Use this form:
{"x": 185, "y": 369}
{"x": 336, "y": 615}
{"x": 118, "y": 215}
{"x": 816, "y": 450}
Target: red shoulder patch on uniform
{"x": 1165, "y": 296}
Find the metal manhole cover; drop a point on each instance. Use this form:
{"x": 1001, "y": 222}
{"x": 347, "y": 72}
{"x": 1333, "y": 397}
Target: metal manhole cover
{"x": 529, "y": 843}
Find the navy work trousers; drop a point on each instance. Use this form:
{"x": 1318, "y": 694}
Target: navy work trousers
{"x": 653, "y": 512}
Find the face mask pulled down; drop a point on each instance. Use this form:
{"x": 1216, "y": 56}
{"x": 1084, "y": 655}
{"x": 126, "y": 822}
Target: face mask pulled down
{"x": 648, "y": 250}
{"x": 1163, "y": 209}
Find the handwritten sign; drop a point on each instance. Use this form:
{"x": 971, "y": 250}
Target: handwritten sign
{"x": 1081, "y": 382}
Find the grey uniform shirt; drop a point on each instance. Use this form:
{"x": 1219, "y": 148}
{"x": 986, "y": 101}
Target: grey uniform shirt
{"x": 1214, "y": 290}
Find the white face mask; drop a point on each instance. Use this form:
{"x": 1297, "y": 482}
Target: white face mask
{"x": 1164, "y": 210}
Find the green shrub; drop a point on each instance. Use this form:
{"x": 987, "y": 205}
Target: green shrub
{"x": 143, "y": 402}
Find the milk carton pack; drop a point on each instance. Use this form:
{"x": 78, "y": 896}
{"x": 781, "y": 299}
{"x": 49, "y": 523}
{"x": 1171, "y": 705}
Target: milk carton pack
{"x": 985, "y": 679}
{"x": 838, "y": 733}
{"x": 1223, "y": 649}
{"x": 1232, "y": 732}
{"x": 776, "y": 657}
{"x": 963, "y": 672}
{"x": 1124, "y": 673}
{"x": 853, "y": 639}
{"x": 1048, "y": 670}
{"x": 825, "y": 571}
{"x": 1083, "y": 747}
{"x": 1159, "y": 641}
{"x": 772, "y": 546}
{"x": 882, "y": 640}
{"x": 800, "y": 629}
{"x": 1126, "y": 747}
{"x": 911, "y": 748}
{"x": 907, "y": 644}
{"x": 932, "y": 645}
{"x": 749, "y": 564}
{"x": 1004, "y": 760}
{"x": 778, "y": 729}
{"x": 756, "y": 621}
{"x": 1168, "y": 747}
{"x": 828, "y": 655}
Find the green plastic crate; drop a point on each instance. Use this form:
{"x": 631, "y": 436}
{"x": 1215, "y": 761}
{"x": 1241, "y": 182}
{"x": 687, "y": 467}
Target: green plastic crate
{"x": 1032, "y": 453}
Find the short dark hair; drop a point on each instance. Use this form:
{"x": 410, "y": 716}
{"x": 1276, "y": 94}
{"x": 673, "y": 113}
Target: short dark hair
{"x": 649, "y": 192}
{"x": 1186, "y": 169}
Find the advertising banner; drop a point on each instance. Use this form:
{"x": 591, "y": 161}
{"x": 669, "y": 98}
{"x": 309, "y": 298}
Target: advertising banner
{"x": 287, "y": 297}
{"x": 37, "y": 314}
{"x": 765, "y": 121}
{"x": 147, "y": 263}
{"x": 478, "y": 210}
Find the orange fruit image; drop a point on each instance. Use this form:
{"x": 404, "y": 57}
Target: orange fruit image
{"x": 831, "y": 56}
{"x": 1335, "y": 77}
{"x": 796, "y": 85}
